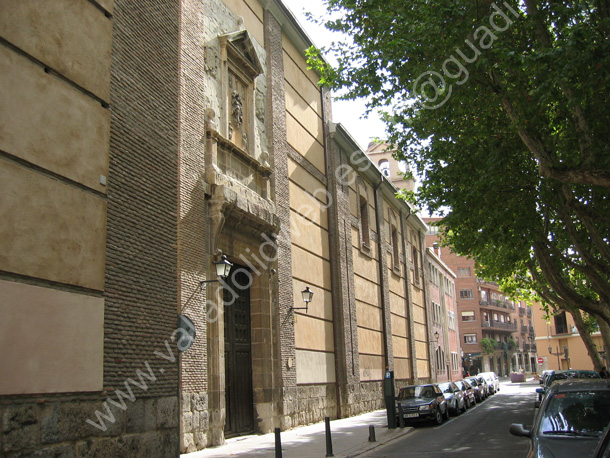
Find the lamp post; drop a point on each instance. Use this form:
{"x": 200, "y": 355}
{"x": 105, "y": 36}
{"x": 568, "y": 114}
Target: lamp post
{"x": 556, "y": 354}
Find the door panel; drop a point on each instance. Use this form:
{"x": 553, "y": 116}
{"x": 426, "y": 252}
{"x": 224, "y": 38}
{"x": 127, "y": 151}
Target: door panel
{"x": 238, "y": 355}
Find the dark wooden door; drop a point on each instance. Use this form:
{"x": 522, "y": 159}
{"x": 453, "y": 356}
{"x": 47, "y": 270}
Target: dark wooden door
{"x": 238, "y": 355}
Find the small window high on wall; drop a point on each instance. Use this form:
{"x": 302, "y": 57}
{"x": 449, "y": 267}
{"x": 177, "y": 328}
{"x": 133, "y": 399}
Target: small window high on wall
{"x": 384, "y": 166}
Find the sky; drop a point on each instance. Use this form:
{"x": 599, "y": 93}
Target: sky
{"x": 347, "y": 113}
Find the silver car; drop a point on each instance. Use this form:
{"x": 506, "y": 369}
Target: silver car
{"x": 492, "y": 381}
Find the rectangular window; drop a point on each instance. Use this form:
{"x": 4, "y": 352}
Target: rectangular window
{"x": 465, "y": 294}
{"x": 470, "y": 338}
{"x": 463, "y": 272}
{"x": 467, "y": 316}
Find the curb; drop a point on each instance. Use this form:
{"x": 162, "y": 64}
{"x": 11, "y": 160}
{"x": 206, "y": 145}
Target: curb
{"x": 393, "y": 436}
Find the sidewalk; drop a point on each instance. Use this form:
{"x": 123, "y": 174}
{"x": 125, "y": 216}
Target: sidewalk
{"x": 350, "y": 438}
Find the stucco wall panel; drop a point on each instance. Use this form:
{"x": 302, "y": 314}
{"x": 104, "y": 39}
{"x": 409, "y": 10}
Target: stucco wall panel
{"x": 309, "y": 236}
{"x": 366, "y": 267}
{"x": 72, "y": 37}
{"x": 402, "y": 368}
{"x": 366, "y": 291}
{"x": 371, "y": 367}
{"x": 304, "y": 143}
{"x": 305, "y": 180}
{"x": 310, "y": 268}
{"x": 49, "y": 123}
{"x": 313, "y": 334}
{"x": 398, "y": 305}
{"x": 369, "y": 316}
{"x": 370, "y": 342}
{"x": 299, "y": 107}
{"x": 302, "y": 80}
{"x": 51, "y": 230}
{"x": 400, "y": 346}
{"x": 399, "y": 326}
{"x": 315, "y": 367}
{"x": 50, "y": 341}
{"x": 308, "y": 206}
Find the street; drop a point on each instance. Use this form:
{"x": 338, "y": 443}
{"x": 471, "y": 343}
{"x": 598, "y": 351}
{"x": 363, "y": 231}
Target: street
{"x": 482, "y": 431}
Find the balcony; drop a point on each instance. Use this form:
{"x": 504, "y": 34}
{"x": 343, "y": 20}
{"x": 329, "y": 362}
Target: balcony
{"x": 498, "y": 304}
{"x": 521, "y": 311}
{"x": 524, "y": 329}
{"x": 530, "y": 347}
{"x": 559, "y": 330}
{"x": 499, "y": 325}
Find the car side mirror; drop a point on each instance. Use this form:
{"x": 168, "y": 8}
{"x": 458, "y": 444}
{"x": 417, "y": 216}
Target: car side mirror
{"x": 540, "y": 390}
{"x": 519, "y": 430}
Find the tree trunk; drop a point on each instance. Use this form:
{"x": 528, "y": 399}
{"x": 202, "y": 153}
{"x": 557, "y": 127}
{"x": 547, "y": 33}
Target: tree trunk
{"x": 585, "y": 335}
{"x": 605, "y": 332}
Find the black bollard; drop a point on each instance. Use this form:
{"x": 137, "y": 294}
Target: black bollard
{"x": 329, "y": 442}
{"x": 372, "y": 434}
{"x": 278, "y": 444}
{"x": 401, "y": 419}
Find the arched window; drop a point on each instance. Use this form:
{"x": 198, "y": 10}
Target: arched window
{"x": 384, "y": 166}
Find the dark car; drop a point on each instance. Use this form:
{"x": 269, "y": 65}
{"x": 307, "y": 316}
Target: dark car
{"x": 469, "y": 397}
{"x": 422, "y": 403}
{"x": 454, "y": 397}
{"x": 478, "y": 387}
{"x": 603, "y": 448}
{"x": 564, "y": 375}
{"x": 572, "y": 418}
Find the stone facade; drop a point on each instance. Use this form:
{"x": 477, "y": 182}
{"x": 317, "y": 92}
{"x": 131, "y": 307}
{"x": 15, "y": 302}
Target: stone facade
{"x": 190, "y": 131}
{"x": 92, "y": 95}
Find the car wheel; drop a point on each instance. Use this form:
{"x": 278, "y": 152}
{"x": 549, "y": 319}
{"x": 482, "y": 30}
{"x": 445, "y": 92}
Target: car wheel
{"x": 447, "y": 413}
{"x": 438, "y": 416}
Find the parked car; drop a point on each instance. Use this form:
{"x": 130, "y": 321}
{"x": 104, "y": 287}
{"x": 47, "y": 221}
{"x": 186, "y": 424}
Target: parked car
{"x": 545, "y": 374}
{"x": 454, "y": 396}
{"x": 572, "y": 418}
{"x": 484, "y": 384}
{"x": 563, "y": 375}
{"x": 478, "y": 386}
{"x": 603, "y": 448}
{"x": 469, "y": 397}
{"x": 492, "y": 381}
{"x": 422, "y": 403}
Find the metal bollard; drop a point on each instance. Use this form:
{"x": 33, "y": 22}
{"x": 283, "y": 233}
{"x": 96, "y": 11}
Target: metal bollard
{"x": 401, "y": 420}
{"x": 372, "y": 434}
{"x": 329, "y": 442}
{"x": 278, "y": 444}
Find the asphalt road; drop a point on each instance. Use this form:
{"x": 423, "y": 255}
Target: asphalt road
{"x": 480, "y": 432}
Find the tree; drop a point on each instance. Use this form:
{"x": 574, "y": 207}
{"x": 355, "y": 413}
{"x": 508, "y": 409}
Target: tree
{"x": 500, "y": 110}
{"x": 488, "y": 345}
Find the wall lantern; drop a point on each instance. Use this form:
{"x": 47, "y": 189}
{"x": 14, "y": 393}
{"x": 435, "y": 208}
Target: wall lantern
{"x": 307, "y": 296}
{"x": 223, "y": 267}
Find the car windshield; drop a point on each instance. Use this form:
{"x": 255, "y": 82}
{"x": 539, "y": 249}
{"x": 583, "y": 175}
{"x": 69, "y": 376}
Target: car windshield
{"x": 474, "y": 382}
{"x": 416, "y": 392}
{"x": 460, "y": 385}
{"x": 584, "y": 413}
{"x": 445, "y": 387}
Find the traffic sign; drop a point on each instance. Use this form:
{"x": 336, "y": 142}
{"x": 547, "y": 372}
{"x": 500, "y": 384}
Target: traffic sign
{"x": 540, "y": 361}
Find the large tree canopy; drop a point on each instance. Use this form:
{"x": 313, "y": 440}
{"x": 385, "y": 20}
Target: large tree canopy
{"x": 504, "y": 109}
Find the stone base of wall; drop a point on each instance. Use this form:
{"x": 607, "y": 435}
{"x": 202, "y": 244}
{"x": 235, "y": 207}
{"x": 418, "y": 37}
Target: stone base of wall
{"x": 195, "y": 422}
{"x": 315, "y": 402}
{"x": 58, "y": 427}
{"x": 363, "y": 397}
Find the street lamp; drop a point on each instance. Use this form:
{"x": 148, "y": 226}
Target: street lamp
{"x": 223, "y": 267}
{"x": 307, "y": 296}
{"x": 556, "y": 354}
